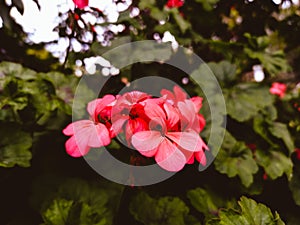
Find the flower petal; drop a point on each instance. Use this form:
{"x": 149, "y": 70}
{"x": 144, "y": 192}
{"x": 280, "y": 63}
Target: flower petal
{"x": 169, "y": 157}
{"x": 68, "y": 130}
{"x": 169, "y": 96}
{"x": 179, "y": 94}
{"x": 74, "y": 150}
{"x": 96, "y": 106}
{"x": 75, "y": 126}
{"x": 118, "y": 123}
{"x": 146, "y": 140}
{"x": 197, "y": 101}
{"x": 98, "y": 136}
{"x": 201, "y": 157}
{"x": 154, "y": 111}
{"x": 190, "y": 141}
{"x": 172, "y": 115}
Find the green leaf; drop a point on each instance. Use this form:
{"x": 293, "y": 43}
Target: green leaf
{"x": 15, "y": 146}
{"x": 202, "y": 201}
{"x": 130, "y": 52}
{"x": 257, "y": 213}
{"x": 275, "y": 163}
{"x": 158, "y": 14}
{"x": 58, "y": 212}
{"x": 261, "y": 127}
{"x": 250, "y": 213}
{"x": 294, "y": 184}
{"x": 273, "y": 62}
{"x": 235, "y": 159}
{"x": 182, "y": 23}
{"x": 224, "y": 71}
{"x": 207, "y": 202}
{"x": 90, "y": 204}
{"x": 208, "y": 5}
{"x": 165, "y": 210}
{"x": 10, "y": 69}
{"x": 244, "y": 101}
{"x": 281, "y": 131}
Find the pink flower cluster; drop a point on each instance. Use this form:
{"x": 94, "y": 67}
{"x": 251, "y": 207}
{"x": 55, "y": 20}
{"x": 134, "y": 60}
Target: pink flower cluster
{"x": 166, "y": 128}
{"x": 278, "y": 89}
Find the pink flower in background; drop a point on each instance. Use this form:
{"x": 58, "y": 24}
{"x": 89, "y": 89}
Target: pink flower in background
{"x": 174, "y": 3}
{"x": 278, "y": 89}
{"x": 81, "y": 3}
{"x": 93, "y": 133}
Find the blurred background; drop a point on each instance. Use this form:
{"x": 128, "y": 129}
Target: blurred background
{"x": 251, "y": 46}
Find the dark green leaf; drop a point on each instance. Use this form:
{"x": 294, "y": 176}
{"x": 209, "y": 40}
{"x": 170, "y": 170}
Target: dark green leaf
{"x": 280, "y": 130}
{"x": 207, "y": 202}
{"x": 275, "y": 163}
{"x": 235, "y": 159}
{"x": 58, "y": 212}
{"x": 246, "y": 100}
{"x": 251, "y": 213}
{"x": 15, "y": 146}
{"x": 294, "y": 185}
{"x": 165, "y": 210}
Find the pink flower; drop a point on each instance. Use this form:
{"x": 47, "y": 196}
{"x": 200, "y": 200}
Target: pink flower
{"x": 129, "y": 115}
{"x": 81, "y": 3}
{"x": 174, "y": 3}
{"x": 278, "y": 89}
{"x": 171, "y": 148}
{"x": 93, "y": 133}
{"x": 173, "y": 98}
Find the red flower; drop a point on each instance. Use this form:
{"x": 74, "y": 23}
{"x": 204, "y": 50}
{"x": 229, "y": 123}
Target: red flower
{"x": 174, "y": 3}
{"x": 81, "y": 3}
{"x": 76, "y": 16}
{"x": 93, "y": 133}
{"x": 128, "y": 113}
{"x": 252, "y": 146}
{"x": 265, "y": 176}
{"x": 278, "y": 89}
{"x": 297, "y": 151}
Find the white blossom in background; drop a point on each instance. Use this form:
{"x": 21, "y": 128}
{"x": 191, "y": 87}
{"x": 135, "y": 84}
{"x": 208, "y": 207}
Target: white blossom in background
{"x": 168, "y": 37}
{"x": 156, "y": 37}
{"x": 105, "y": 71}
{"x": 114, "y": 71}
{"x": 1, "y": 22}
{"x": 8, "y": 2}
{"x": 78, "y": 72}
{"x": 78, "y": 62}
{"x": 76, "y": 46}
{"x": 89, "y": 18}
{"x": 185, "y": 80}
{"x": 40, "y": 24}
{"x": 122, "y": 6}
{"x": 134, "y": 12}
{"x": 258, "y": 73}
{"x": 106, "y": 67}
